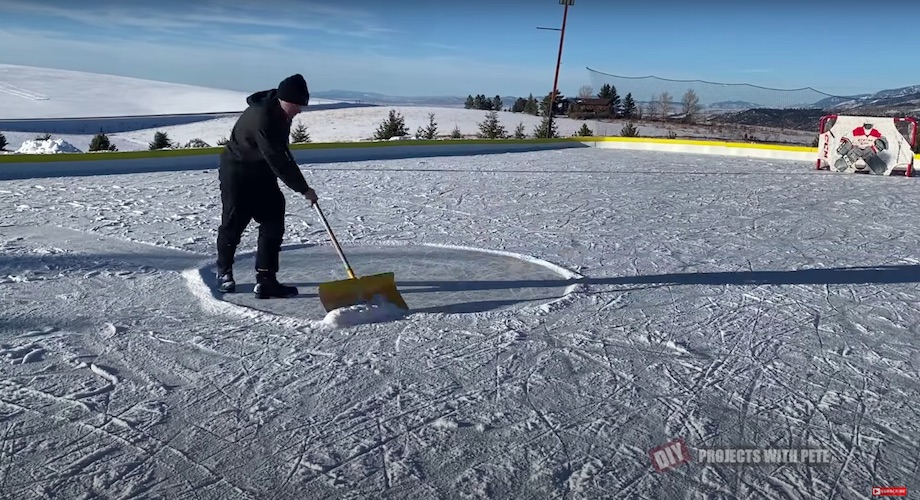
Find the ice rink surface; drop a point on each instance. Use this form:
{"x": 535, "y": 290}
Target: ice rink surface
{"x": 728, "y": 302}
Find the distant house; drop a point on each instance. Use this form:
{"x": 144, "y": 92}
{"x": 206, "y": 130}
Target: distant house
{"x": 591, "y": 107}
{"x": 562, "y": 106}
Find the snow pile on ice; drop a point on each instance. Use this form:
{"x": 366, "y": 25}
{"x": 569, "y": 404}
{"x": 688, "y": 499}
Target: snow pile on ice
{"x": 47, "y": 146}
{"x": 376, "y": 311}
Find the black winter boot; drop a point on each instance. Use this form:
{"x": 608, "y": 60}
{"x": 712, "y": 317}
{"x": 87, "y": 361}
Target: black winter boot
{"x": 225, "y": 282}
{"x": 267, "y": 287}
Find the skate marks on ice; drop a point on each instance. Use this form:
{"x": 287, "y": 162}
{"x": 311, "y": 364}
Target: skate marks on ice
{"x": 38, "y": 262}
{"x": 36, "y": 252}
{"x": 433, "y": 279}
{"x": 708, "y": 320}
{"x": 86, "y": 370}
{"x": 72, "y": 426}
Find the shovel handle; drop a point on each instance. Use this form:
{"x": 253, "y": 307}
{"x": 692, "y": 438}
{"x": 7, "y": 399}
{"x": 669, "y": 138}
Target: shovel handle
{"x": 335, "y": 242}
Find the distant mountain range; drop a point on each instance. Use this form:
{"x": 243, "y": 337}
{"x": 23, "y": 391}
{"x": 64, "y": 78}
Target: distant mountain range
{"x": 389, "y": 100}
{"x": 732, "y": 105}
{"x": 899, "y": 100}
{"x": 904, "y": 99}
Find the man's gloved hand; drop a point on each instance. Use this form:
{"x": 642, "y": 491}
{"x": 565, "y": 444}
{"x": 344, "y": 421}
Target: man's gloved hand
{"x": 311, "y": 196}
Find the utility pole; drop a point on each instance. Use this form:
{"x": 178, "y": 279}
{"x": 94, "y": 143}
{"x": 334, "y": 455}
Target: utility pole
{"x": 552, "y": 97}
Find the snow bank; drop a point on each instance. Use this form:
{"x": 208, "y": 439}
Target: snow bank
{"x": 47, "y": 146}
{"x": 376, "y": 311}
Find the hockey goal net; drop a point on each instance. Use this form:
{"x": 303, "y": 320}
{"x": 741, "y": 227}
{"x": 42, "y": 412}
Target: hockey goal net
{"x": 867, "y": 144}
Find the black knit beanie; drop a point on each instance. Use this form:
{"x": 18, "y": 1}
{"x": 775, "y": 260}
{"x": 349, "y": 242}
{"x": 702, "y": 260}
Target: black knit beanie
{"x": 294, "y": 89}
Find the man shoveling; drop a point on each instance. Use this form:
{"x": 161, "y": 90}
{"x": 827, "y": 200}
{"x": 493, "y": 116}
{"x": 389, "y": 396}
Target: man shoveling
{"x": 253, "y": 160}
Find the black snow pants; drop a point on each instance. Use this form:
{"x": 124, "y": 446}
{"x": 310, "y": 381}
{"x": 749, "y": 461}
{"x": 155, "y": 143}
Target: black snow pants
{"x": 246, "y": 198}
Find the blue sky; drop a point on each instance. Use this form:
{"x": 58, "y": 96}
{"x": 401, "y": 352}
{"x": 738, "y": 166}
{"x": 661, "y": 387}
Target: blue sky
{"x": 411, "y": 47}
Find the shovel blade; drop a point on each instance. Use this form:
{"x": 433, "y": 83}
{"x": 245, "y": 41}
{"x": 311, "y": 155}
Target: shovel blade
{"x": 354, "y": 291}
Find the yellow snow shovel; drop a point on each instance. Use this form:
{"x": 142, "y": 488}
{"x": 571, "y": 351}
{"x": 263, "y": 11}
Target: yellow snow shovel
{"x": 355, "y": 290}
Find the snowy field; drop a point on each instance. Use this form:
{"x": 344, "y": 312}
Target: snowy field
{"x": 324, "y": 125}
{"x": 66, "y": 104}
{"x": 728, "y": 302}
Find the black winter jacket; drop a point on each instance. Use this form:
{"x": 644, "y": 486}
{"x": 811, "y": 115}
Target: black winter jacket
{"x": 258, "y": 146}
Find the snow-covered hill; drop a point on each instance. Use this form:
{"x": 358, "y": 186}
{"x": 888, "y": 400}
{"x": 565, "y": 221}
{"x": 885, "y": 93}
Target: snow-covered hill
{"x": 33, "y": 92}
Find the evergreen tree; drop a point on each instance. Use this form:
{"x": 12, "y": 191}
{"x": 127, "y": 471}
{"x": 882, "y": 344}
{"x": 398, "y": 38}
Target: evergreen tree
{"x": 197, "y": 143}
{"x": 629, "y": 130}
{"x": 630, "y": 110}
{"x": 223, "y": 141}
{"x": 393, "y": 126}
{"x": 455, "y": 133}
{"x": 531, "y": 107}
{"x": 160, "y": 141}
{"x": 101, "y": 142}
{"x": 477, "y": 101}
{"x": 519, "y": 104}
{"x": 610, "y": 92}
{"x": 480, "y": 101}
{"x": 543, "y": 131}
{"x": 519, "y": 132}
{"x": 615, "y": 102}
{"x": 544, "y": 104}
{"x": 490, "y": 128}
{"x": 431, "y": 131}
{"x": 584, "y": 131}
{"x": 606, "y": 91}
{"x": 299, "y": 134}
{"x": 470, "y": 103}
{"x": 3, "y": 143}
{"x": 497, "y": 103}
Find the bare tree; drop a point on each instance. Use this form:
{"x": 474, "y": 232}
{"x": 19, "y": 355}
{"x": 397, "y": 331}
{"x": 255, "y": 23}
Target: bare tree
{"x": 691, "y": 103}
{"x": 664, "y": 105}
{"x": 652, "y": 107}
{"x": 585, "y": 92}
